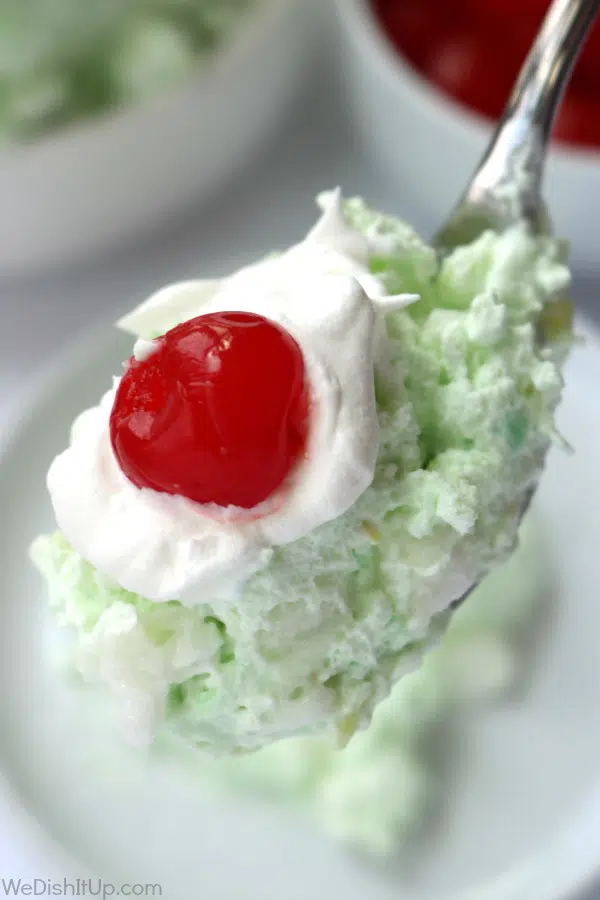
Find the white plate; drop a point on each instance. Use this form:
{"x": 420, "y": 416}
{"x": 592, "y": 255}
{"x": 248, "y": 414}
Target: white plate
{"x": 522, "y": 816}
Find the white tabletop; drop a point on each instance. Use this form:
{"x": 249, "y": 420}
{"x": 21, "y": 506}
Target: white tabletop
{"x": 270, "y": 205}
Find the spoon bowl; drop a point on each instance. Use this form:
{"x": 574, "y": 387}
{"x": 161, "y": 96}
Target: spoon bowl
{"x": 506, "y": 187}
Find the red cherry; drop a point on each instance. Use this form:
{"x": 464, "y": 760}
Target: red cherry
{"x": 578, "y": 122}
{"x": 217, "y": 413}
{"x": 507, "y": 11}
{"x": 589, "y": 64}
{"x": 472, "y": 69}
{"x": 412, "y": 25}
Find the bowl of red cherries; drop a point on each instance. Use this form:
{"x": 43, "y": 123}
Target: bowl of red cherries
{"x": 427, "y": 81}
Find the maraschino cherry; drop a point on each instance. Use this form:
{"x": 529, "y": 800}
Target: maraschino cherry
{"x": 217, "y": 413}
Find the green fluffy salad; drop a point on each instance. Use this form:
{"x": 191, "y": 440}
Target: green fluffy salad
{"x": 383, "y": 789}
{"x": 322, "y": 632}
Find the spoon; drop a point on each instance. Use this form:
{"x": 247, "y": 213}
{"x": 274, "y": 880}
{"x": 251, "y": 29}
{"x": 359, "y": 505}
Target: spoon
{"x": 506, "y": 187}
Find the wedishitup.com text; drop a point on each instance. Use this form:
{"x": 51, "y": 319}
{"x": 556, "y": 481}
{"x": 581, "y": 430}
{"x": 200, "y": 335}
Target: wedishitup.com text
{"x": 81, "y": 887}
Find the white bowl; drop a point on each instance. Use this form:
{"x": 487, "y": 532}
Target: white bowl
{"x": 88, "y": 188}
{"x": 520, "y": 788}
{"x": 428, "y": 146}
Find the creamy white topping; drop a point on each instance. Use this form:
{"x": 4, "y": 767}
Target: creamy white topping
{"x": 143, "y": 349}
{"x": 167, "y": 547}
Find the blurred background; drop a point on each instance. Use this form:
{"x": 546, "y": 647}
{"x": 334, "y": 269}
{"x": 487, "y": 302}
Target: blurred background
{"x": 119, "y": 119}
{"x": 147, "y": 141}
{"x": 143, "y": 141}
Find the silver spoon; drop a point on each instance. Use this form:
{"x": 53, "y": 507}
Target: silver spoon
{"x": 506, "y": 187}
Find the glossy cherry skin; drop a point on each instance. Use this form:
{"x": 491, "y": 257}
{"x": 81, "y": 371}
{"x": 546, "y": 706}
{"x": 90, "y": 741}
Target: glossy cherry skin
{"x": 218, "y": 412}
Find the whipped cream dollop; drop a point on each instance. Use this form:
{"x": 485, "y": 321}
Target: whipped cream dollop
{"x": 167, "y": 547}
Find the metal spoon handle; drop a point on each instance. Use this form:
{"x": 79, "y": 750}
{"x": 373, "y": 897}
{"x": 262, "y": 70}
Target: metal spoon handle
{"x": 519, "y": 146}
{"x": 506, "y": 186}
{"x": 546, "y": 70}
